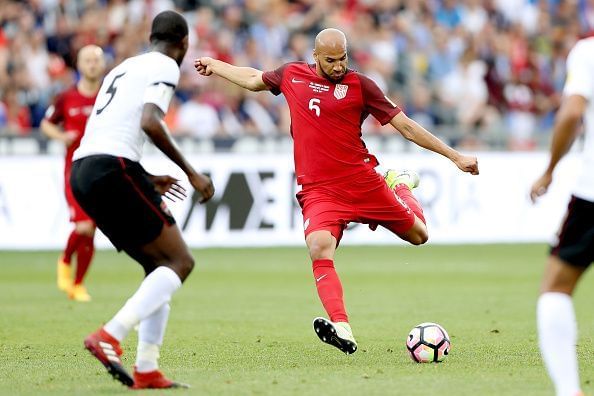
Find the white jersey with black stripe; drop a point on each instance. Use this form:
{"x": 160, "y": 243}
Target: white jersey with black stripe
{"x": 580, "y": 81}
{"x": 114, "y": 125}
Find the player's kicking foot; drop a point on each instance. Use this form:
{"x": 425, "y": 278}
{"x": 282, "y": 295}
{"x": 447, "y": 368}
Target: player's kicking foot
{"x": 409, "y": 178}
{"x": 154, "y": 380}
{"x": 79, "y": 293}
{"x": 64, "y": 276}
{"x": 337, "y": 334}
{"x": 108, "y": 351}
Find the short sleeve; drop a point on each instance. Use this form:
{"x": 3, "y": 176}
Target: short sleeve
{"x": 274, "y": 79}
{"x": 580, "y": 71}
{"x": 55, "y": 113}
{"x": 376, "y": 103}
{"x": 161, "y": 84}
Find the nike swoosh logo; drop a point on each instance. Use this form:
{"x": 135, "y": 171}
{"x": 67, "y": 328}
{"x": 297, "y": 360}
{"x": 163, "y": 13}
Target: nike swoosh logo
{"x": 294, "y": 80}
{"x": 321, "y": 277}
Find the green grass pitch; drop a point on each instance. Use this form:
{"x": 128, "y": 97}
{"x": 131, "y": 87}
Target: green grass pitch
{"x": 241, "y": 325}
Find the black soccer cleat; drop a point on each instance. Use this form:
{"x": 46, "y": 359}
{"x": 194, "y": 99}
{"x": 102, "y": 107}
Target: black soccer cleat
{"x": 338, "y": 334}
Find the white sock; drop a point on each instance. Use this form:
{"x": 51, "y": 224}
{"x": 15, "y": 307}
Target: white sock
{"x": 155, "y": 291}
{"x": 150, "y": 339}
{"x": 557, "y": 337}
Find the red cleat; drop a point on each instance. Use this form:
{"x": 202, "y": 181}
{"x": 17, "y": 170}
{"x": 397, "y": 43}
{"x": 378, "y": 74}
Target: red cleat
{"x": 154, "y": 380}
{"x": 108, "y": 351}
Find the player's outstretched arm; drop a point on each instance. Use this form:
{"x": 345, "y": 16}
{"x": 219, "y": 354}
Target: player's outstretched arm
{"x": 564, "y": 133}
{"x": 153, "y": 125}
{"x": 245, "y": 77}
{"x": 422, "y": 137}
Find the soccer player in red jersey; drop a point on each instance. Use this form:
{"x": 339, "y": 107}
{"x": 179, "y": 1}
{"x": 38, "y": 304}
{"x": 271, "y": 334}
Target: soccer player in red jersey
{"x": 328, "y": 103}
{"x": 65, "y": 121}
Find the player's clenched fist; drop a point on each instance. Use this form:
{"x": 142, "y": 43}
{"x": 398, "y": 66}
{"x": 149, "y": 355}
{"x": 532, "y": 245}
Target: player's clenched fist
{"x": 203, "y": 186}
{"x": 202, "y": 65}
{"x": 467, "y": 163}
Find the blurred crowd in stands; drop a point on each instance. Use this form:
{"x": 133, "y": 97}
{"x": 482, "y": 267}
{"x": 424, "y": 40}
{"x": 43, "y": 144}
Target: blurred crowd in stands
{"x": 467, "y": 69}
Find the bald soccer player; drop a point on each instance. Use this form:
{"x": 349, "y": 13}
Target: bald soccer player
{"x": 65, "y": 121}
{"x": 328, "y": 103}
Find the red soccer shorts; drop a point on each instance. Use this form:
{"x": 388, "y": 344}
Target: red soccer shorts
{"x": 77, "y": 214}
{"x": 363, "y": 198}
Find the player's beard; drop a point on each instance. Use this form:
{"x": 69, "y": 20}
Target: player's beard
{"x": 334, "y": 79}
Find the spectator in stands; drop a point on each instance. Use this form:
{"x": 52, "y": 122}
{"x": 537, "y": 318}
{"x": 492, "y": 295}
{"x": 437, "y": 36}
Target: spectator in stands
{"x": 198, "y": 119}
{"x": 403, "y": 44}
{"x": 18, "y": 115}
{"x": 442, "y": 60}
{"x": 473, "y": 16}
{"x": 465, "y": 92}
{"x": 449, "y": 14}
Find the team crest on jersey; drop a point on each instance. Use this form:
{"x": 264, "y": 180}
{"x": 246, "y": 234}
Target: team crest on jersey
{"x": 340, "y": 91}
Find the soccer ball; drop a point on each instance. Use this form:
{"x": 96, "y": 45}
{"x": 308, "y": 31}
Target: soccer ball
{"x": 428, "y": 342}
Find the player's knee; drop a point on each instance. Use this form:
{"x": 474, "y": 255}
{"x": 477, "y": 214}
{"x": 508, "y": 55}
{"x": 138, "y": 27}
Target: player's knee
{"x": 321, "y": 245}
{"x": 418, "y": 234}
{"x": 182, "y": 265}
{"x": 319, "y": 250}
{"x": 560, "y": 276}
{"x": 424, "y": 237}
{"x": 188, "y": 263}
{"x": 85, "y": 228}
{"x": 418, "y": 238}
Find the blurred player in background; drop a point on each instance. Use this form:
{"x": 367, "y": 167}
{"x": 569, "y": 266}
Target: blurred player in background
{"x": 65, "y": 121}
{"x": 573, "y": 251}
{"x": 328, "y": 103}
{"x": 125, "y": 201}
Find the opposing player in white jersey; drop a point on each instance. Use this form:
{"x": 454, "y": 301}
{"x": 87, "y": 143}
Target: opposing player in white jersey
{"x": 573, "y": 251}
{"x": 125, "y": 201}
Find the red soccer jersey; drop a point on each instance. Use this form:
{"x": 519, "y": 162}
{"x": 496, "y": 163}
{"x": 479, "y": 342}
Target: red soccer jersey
{"x": 326, "y": 120}
{"x": 71, "y": 110}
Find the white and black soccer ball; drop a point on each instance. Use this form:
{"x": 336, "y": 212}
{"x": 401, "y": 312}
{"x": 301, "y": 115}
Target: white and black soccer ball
{"x": 428, "y": 343}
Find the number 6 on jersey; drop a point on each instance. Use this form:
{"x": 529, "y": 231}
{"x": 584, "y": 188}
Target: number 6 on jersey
{"x": 313, "y": 105}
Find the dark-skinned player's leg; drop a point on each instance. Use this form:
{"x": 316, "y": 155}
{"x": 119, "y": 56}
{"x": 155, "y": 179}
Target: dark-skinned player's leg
{"x": 570, "y": 256}
{"x": 557, "y": 326}
{"x": 167, "y": 262}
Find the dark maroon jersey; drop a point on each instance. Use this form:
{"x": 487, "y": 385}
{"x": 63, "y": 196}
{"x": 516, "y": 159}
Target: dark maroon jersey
{"x": 71, "y": 109}
{"x": 326, "y": 120}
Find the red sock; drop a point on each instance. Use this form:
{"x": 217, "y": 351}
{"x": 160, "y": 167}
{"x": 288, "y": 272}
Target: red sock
{"x": 71, "y": 246}
{"x": 329, "y": 290}
{"x": 408, "y": 197}
{"x": 84, "y": 255}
